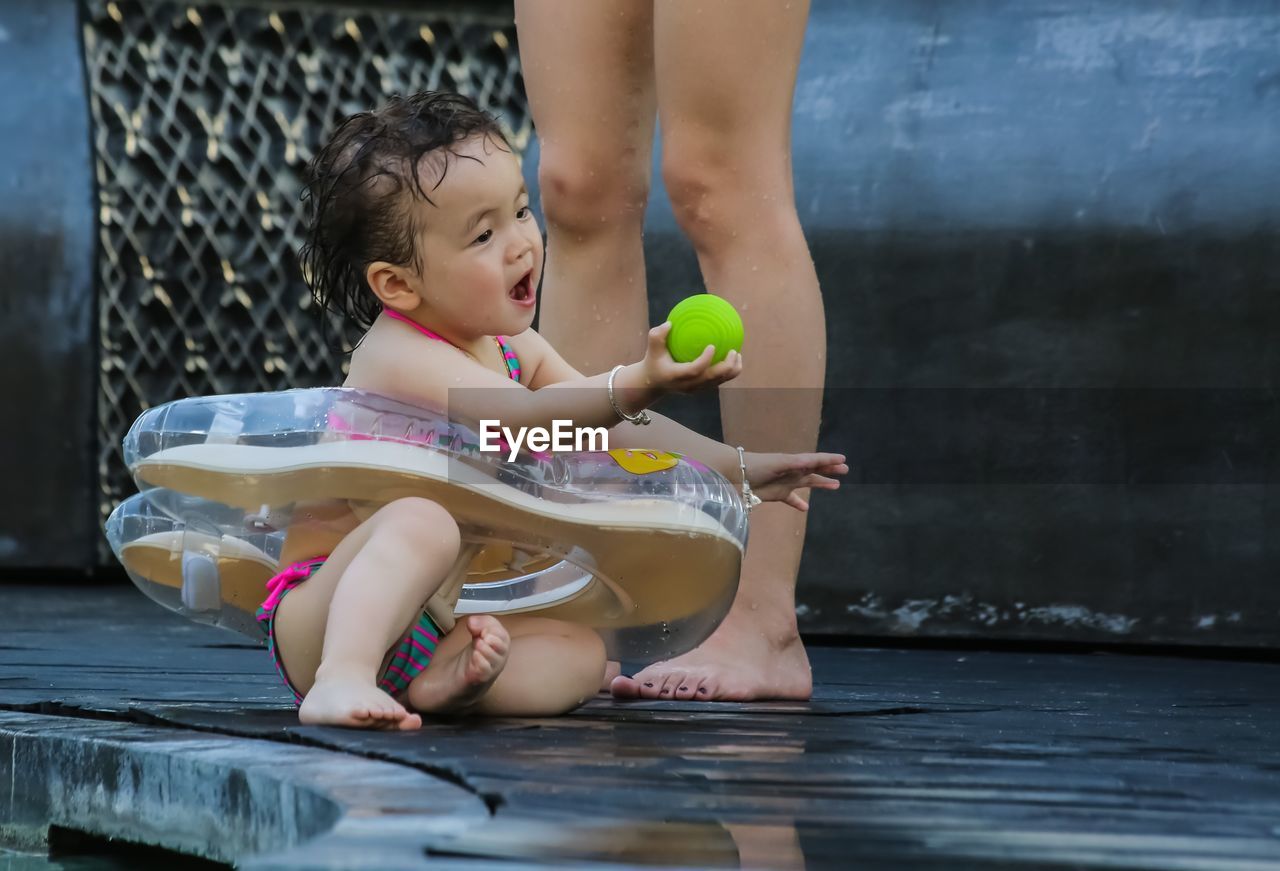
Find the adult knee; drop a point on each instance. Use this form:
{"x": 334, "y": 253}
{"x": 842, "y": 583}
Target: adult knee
{"x": 585, "y": 191}
{"x": 719, "y": 196}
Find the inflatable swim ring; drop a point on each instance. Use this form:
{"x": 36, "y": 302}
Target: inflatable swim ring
{"x": 643, "y": 546}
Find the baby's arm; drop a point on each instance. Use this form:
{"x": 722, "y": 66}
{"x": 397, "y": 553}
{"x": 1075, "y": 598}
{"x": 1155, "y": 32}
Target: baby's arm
{"x": 434, "y": 374}
{"x": 550, "y": 370}
{"x": 779, "y": 477}
{"x": 438, "y": 375}
{"x": 664, "y": 434}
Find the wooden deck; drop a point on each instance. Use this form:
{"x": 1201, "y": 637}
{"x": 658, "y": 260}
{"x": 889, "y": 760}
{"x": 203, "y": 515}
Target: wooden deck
{"x": 904, "y": 758}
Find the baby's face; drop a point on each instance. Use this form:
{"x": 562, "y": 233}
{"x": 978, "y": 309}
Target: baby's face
{"x": 481, "y": 249}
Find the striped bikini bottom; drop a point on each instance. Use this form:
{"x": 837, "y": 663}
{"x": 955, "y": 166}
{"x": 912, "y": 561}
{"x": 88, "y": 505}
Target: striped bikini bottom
{"x": 409, "y": 657}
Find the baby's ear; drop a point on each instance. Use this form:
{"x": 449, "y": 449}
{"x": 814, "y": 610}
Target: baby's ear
{"x": 393, "y": 286}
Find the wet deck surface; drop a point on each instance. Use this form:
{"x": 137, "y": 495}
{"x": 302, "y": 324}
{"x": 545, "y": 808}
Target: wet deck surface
{"x": 902, "y": 759}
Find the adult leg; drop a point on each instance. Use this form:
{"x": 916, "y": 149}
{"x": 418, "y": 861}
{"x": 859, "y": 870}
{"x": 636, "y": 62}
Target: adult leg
{"x": 588, "y": 72}
{"x": 725, "y": 72}
{"x": 553, "y": 668}
{"x": 333, "y": 631}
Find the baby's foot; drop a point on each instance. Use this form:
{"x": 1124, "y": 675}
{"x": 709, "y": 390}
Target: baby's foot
{"x": 458, "y": 683}
{"x": 349, "y": 700}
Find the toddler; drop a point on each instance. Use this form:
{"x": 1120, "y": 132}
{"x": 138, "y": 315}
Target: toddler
{"x": 420, "y": 234}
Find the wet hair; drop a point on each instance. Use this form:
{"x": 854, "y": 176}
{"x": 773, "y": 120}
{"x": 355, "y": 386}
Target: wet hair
{"x": 361, "y": 189}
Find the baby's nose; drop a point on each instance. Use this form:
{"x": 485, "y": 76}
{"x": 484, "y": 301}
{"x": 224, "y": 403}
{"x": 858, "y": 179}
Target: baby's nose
{"x": 519, "y": 250}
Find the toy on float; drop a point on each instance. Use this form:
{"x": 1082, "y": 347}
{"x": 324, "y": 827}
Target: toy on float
{"x": 643, "y": 546}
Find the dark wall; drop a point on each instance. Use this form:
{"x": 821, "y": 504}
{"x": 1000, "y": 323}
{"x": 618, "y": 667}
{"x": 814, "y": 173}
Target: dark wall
{"x": 1046, "y": 234}
{"x": 1047, "y": 240}
{"x": 48, "y": 515}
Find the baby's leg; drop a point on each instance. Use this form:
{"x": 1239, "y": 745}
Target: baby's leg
{"x": 553, "y": 668}
{"x": 333, "y": 632}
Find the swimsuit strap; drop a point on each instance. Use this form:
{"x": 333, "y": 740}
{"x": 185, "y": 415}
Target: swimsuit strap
{"x": 503, "y": 343}
{"x": 509, "y": 357}
{"x": 395, "y": 315}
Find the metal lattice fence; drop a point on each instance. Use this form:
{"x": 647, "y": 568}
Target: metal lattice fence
{"x": 204, "y": 118}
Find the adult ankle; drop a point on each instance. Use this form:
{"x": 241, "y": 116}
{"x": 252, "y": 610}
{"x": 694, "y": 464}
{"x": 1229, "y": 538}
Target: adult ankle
{"x": 775, "y": 622}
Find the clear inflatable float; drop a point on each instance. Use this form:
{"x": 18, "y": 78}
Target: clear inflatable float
{"x": 642, "y": 546}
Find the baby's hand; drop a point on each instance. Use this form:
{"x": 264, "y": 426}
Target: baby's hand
{"x": 777, "y": 477}
{"x": 665, "y": 374}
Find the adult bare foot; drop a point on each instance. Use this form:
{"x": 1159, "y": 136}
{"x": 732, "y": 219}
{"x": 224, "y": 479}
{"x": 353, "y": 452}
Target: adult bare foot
{"x": 756, "y": 653}
{"x": 457, "y": 683}
{"x": 736, "y": 664}
{"x": 351, "y": 700}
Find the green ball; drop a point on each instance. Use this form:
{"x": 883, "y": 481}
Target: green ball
{"x": 703, "y": 320}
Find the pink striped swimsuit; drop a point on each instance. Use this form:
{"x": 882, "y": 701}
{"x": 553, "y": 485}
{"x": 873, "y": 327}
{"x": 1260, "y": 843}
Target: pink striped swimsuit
{"x": 410, "y": 656}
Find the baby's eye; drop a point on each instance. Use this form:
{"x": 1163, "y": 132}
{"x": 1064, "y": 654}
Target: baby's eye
{"x": 483, "y": 237}
{"x": 522, "y": 213}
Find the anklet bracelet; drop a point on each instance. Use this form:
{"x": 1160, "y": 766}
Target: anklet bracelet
{"x": 641, "y": 418}
{"x": 751, "y": 499}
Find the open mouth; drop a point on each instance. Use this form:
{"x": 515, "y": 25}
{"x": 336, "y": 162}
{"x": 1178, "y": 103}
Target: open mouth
{"x": 523, "y": 291}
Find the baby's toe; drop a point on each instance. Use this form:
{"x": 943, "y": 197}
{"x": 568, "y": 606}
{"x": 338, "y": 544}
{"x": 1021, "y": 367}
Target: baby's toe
{"x": 481, "y": 651}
